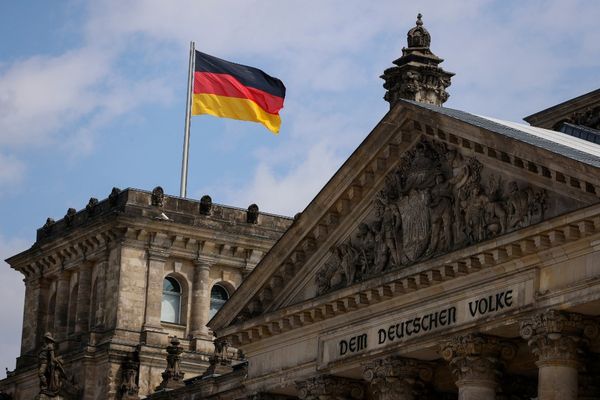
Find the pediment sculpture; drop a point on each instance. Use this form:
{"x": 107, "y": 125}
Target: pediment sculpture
{"x": 434, "y": 202}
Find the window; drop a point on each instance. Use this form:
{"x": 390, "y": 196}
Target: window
{"x": 171, "y": 301}
{"x": 218, "y": 297}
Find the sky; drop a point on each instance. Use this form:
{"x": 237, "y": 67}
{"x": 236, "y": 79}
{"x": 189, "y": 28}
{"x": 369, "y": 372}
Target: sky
{"x": 92, "y": 96}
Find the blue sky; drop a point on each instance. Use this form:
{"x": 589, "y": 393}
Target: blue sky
{"x": 92, "y": 95}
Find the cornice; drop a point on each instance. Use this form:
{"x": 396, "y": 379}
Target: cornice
{"x": 557, "y": 232}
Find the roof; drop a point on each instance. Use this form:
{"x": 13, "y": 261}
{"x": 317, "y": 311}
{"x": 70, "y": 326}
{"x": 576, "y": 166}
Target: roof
{"x": 556, "y": 142}
{"x": 550, "y": 116}
{"x": 580, "y": 131}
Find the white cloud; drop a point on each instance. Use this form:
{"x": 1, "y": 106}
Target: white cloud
{"x": 12, "y": 289}
{"x": 11, "y": 171}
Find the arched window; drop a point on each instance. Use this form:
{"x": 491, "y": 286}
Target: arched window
{"x": 171, "y": 301}
{"x": 218, "y": 297}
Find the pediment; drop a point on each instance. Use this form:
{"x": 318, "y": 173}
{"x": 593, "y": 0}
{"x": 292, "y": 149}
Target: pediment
{"x": 421, "y": 186}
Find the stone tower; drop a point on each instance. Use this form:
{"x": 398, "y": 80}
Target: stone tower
{"x": 417, "y": 74}
{"x": 115, "y": 282}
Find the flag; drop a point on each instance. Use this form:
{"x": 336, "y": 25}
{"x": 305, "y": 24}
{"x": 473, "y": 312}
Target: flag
{"x": 225, "y": 89}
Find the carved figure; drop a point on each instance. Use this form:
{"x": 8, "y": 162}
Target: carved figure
{"x": 50, "y": 371}
{"x": 129, "y": 388}
{"x": 440, "y": 203}
{"x": 365, "y": 243}
{"x": 349, "y": 260}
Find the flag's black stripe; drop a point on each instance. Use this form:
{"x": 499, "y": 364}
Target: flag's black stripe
{"x": 247, "y": 76}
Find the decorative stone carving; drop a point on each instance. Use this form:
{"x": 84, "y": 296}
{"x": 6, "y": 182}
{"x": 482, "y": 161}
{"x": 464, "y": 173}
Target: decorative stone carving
{"x": 158, "y": 197}
{"x": 129, "y": 388}
{"x": 172, "y": 377}
{"x": 47, "y": 228}
{"x": 252, "y": 214}
{"x": 221, "y": 359}
{"x": 54, "y": 382}
{"x": 70, "y": 216}
{"x": 328, "y": 387}
{"x": 477, "y": 358}
{"x": 398, "y": 378}
{"x": 113, "y": 197}
{"x": 435, "y": 201}
{"x": 205, "y": 205}
{"x": 417, "y": 75}
{"x": 556, "y": 337}
{"x": 590, "y": 118}
{"x": 91, "y": 205}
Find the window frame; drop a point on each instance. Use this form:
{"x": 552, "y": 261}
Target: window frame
{"x": 178, "y": 317}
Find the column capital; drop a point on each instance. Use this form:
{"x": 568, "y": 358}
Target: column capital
{"x": 158, "y": 254}
{"x": 397, "y": 377}
{"x": 476, "y": 358}
{"x": 203, "y": 262}
{"x": 329, "y": 387}
{"x": 556, "y": 337}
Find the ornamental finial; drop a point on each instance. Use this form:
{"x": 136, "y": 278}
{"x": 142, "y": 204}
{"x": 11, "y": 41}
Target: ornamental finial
{"x": 419, "y": 21}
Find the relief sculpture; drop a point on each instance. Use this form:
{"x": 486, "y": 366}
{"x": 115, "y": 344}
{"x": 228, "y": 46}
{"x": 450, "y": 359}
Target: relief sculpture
{"x": 435, "y": 201}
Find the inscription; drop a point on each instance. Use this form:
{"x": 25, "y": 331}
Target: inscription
{"x": 416, "y": 325}
{"x": 356, "y": 343}
{"x": 491, "y": 303}
{"x": 405, "y": 327}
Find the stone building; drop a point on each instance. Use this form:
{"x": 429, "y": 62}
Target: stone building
{"x": 114, "y": 281}
{"x": 452, "y": 256}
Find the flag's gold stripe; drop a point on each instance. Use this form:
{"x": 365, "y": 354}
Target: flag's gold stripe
{"x": 236, "y": 108}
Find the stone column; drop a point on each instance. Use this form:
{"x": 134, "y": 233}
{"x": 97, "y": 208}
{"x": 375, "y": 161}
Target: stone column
{"x": 200, "y": 300}
{"x": 152, "y": 330}
{"x": 82, "y": 312}
{"x": 475, "y": 362}
{"x": 329, "y": 387}
{"x": 557, "y": 338}
{"x": 397, "y": 378}
{"x": 33, "y": 314}
{"x": 62, "y": 306}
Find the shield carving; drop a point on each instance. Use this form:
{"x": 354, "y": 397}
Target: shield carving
{"x": 416, "y": 225}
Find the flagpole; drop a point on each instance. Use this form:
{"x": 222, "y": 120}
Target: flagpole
{"x": 188, "y": 115}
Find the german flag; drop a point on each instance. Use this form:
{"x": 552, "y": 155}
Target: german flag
{"x": 229, "y": 90}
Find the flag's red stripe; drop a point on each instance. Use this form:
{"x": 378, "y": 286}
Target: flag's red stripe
{"x": 227, "y": 85}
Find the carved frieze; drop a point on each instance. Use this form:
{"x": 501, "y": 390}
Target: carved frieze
{"x": 434, "y": 202}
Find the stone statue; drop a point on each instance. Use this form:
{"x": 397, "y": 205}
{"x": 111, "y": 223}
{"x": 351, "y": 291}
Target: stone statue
{"x": 252, "y": 214}
{"x": 158, "y": 197}
{"x": 50, "y": 370}
{"x": 205, "y": 205}
{"x": 440, "y": 204}
{"x": 129, "y": 388}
